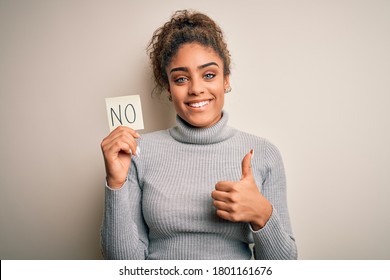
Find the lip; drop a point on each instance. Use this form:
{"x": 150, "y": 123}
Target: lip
{"x": 197, "y": 101}
{"x": 198, "y": 105}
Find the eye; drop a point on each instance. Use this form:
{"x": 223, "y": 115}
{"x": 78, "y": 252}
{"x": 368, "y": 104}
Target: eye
{"x": 181, "y": 80}
{"x": 209, "y": 76}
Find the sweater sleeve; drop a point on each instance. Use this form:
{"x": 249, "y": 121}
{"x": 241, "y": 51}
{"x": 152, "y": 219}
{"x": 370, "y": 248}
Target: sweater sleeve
{"x": 124, "y": 234}
{"x": 275, "y": 240}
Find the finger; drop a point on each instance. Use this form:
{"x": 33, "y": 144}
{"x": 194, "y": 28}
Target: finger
{"x": 223, "y": 214}
{"x": 134, "y": 149}
{"x": 246, "y": 165}
{"x": 220, "y": 196}
{"x": 224, "y": 186}
{"x": 130, "y": 134}
{"x": 118, "y": 132}
{"x": 114, "y": 145}
{"x": 123, "y": 141}
{"x": 121, "y": 131}
{"x": 114, "y": 148}
{"x": 126, "y": 129}
{"x": 226, "y": 215}
{"x": 220, "y": 205}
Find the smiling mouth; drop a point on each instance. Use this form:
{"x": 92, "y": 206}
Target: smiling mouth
{"x": 199, "y": 104}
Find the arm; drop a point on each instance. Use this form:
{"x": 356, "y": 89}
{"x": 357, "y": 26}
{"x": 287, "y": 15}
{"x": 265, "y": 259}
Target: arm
{"x": 275, "y": 239}
{"x": 124, "y": 234}
{"x": 265, "y": 211}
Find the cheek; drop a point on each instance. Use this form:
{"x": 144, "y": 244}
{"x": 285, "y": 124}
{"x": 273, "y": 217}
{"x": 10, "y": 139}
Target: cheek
{"x": 218, "y": 90}
{"x": 178, "y": 94}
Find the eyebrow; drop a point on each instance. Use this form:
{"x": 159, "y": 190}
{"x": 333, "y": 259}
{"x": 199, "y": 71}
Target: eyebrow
{"x": 185, "y": 69}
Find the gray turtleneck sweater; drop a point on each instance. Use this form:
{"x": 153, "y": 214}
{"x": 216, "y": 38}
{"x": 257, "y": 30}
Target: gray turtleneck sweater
{"x": 165, "y": 210}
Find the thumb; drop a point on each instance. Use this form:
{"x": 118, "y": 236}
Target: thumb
{"x": 246, "y": 165}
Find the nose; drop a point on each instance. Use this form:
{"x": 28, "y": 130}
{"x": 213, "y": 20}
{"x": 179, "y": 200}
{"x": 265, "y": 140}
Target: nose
{"x": 196, "y": 87}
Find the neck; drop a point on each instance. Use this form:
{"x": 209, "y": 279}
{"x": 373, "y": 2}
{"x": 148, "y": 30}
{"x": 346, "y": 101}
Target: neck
{"x": 187, "y": 133}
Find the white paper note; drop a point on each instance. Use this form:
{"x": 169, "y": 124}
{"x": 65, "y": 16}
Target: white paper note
{"x": 124, "y": 110}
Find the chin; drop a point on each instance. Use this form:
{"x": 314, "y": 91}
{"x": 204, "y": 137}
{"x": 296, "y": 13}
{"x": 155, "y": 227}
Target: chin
{"x": 204, "y": 122}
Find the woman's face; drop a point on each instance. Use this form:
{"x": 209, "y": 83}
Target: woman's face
{"x": 197, "y": 84}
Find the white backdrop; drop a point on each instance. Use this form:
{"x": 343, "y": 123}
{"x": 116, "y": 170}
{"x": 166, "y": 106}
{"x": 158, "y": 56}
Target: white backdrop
{"x": 311, "y": 76}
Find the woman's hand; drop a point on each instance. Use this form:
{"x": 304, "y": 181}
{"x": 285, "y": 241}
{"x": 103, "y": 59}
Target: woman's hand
{"x": 242, "y": 201}
{"x": 117, "y": 149}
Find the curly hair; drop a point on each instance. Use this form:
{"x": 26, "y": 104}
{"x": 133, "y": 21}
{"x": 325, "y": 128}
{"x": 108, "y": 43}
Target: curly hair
{"x": 184, "y": 27}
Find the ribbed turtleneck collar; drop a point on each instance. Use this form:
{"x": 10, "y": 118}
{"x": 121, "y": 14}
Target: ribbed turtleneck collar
{"x": 185, "y": 133}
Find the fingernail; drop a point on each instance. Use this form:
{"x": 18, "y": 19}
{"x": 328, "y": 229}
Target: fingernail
{"x": 138, "y": 151}
{"x": 137, "y": 135}
{"x": 252, "y": 152}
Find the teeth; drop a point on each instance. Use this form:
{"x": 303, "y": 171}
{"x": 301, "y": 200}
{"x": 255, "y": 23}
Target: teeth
{"x": 199, "y": 104}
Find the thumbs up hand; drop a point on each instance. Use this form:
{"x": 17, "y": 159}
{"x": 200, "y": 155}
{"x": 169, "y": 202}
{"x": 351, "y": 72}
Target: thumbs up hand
{"x": 242, "y": 201}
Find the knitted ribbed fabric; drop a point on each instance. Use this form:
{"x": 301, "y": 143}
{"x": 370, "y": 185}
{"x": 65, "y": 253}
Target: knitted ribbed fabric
{"x": 165, "y": 210}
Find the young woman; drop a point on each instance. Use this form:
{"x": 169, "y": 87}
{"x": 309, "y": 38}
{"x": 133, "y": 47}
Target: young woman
{"x": 200, "y": 190}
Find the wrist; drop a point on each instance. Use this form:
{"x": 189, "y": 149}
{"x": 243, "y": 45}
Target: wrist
{"x": 114, "y": 184}
{"x": 261, "y": 220}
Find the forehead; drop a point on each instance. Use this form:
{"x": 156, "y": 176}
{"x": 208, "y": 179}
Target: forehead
{"x": 193, "y": 55}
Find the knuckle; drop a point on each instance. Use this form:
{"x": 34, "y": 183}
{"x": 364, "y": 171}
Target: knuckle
{"x": 118, "y": 145}
{"x": 121, "y": 128}
{"x": 236, "y": 187}
{"x": 220, "y": 213}
{"x": 123, "y": 137}
{"x": 234, "y": 218}
{"x": 233, "y": 197}
{"x": 234, "y": 209}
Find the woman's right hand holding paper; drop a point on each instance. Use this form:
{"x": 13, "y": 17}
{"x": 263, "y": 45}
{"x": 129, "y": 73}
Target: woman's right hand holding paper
{"x": 117, "y": 149}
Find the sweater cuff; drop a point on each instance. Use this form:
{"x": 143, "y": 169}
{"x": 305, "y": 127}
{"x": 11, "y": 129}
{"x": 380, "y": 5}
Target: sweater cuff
{"x": 112, "y": 189}
{"x": 272, "y": 242}
{"x": 268, "y": 225}
{"x": 115, "y": 198}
